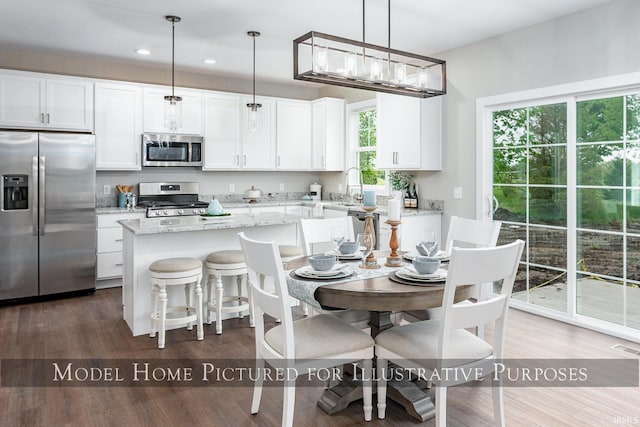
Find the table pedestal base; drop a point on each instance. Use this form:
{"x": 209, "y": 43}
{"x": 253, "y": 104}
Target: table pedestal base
{"x": 415, "y": 401}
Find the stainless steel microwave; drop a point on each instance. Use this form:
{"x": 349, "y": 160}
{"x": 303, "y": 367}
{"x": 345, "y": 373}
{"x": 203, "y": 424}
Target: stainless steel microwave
{"x": 171, "y": 150}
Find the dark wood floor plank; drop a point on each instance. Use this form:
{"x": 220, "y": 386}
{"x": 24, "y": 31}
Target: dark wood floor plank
{"x": 91, "y": 327}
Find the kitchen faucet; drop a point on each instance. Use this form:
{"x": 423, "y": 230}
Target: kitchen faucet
{"x": 358, "y": 196}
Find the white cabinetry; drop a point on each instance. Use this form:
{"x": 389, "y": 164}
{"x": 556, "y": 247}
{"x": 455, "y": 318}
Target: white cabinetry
{"x": 222, "y": 122}
{"x": 109, "y": 251}
{"x": 293, "y": 137}
{"x": 409, "y": 132}
{"x": 259, "y": 147}
{"x": 327, "y": 134}
{"x": 334, "y": 213}
{"x": 40, "y": 101}
{"x": 412, "y": 227}
{"x": 154, "y": 110}
{"x": 118, "y": 126}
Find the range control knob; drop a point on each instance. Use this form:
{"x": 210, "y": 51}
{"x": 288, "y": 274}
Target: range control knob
{"x": 202, "y": 210}
{"x": 180, "y": 211}
{"x": 165, "y": 212}
{"x": 194, "y": 211}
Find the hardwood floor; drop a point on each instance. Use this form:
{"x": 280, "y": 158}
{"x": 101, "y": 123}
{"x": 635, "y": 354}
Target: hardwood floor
{"x": 91, "y": 327}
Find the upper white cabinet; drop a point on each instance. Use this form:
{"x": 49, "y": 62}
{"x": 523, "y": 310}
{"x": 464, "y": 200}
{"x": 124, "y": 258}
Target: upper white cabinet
{"x": 118, "y": 126}
{"x": 409, "y": 132}
{"x": 293, "y": 135}
{"x": 259, "y": 147}
{"x": 154, "y": 110}
{"x": 40, "y": 101}
{"x": 327, "y": 134}
{"x": 222, "y": 133}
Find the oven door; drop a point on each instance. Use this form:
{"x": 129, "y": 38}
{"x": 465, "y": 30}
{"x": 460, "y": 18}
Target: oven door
{"x": 171, "y": 150}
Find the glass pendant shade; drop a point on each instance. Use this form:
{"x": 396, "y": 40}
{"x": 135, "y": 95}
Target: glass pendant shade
{"x": 253, "y": 120}
{"x": 172, "y": 112}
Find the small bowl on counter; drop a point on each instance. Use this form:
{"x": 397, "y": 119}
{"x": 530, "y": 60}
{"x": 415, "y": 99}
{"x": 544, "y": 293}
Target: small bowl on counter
{"x": 322, "y": 262}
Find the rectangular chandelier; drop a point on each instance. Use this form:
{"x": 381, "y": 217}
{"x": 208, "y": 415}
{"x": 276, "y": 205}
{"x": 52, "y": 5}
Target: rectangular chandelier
{"x": 331, "y": 60}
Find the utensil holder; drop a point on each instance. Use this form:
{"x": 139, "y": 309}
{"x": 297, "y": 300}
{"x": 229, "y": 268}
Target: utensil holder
{"x": 122, "y": 199}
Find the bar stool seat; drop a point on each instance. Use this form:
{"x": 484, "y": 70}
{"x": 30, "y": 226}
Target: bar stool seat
{"x": 173, "y": 272}
{"x": 227, "y": 263}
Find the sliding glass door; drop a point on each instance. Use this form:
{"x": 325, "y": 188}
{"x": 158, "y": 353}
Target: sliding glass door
{"x": 565, "y": 177}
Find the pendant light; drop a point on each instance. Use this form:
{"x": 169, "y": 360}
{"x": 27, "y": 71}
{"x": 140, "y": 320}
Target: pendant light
{"x": 172, "y": 103}
{"x": 331, "y": 60}
{"x": 252, "y": 121}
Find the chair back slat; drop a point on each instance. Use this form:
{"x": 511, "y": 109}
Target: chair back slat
{"x": 480, "y": 313}
{"x": 316, "y": 232}
{"x": 465, "y": 232}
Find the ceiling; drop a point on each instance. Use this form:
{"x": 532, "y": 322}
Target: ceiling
{"x": 217, "y": 28}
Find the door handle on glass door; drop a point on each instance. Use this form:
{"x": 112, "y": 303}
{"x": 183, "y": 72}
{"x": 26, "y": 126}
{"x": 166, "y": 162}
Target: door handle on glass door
{"x": 41, "y": 196}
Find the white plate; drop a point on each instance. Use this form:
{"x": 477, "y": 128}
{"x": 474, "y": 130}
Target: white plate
{"x": 411, "y": 274}
{"x": 310, "y": 274}
{"x": 309, "y": 271}
{"x": 354, "y": 256}
{"x": 441, "y": 255}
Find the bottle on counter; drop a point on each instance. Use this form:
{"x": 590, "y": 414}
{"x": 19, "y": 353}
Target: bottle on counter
{"x": 414, "y": 196}
{"x": 407, "y": 198}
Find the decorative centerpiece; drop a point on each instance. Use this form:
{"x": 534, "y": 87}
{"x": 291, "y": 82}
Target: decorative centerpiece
{"x": 369, "y": 197}
{"x": 394, "y": 259}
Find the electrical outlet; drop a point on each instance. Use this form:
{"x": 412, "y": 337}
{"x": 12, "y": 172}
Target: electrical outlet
{"x": 282, "y": 186}
{"x": 457, "y": 192}
{"x": 106, "y": 189}
{"x": 232, "y": 188}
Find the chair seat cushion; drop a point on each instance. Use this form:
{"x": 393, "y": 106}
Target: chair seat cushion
{"x": 174, "y": 265}
{"x": 287, "y": 251}
{"x": 418, "y": 341}
{"x": 320, "y": 336}
{"x": 226, "y": 257}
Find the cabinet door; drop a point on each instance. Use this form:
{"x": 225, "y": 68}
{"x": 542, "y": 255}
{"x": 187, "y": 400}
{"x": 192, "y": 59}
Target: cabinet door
{"x": 293, "y": 137}
{"x": 154, "y": 111}
{"x": 118, "y": 115}
{"x": 222, "y": 131}
{"x": 69, "y": 104}
{"x": 327, "y": 142}
{"x": 22, "y": 101}
{"x": 259, "y": 147}
{"x": 399, "y": 132}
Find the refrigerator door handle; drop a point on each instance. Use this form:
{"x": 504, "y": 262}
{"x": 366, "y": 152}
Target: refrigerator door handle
{"x": 41, "y": 196}
{"x": 34, "y": 195}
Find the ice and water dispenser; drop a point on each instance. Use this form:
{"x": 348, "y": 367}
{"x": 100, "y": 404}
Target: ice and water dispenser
{"x": 15, "y": 192}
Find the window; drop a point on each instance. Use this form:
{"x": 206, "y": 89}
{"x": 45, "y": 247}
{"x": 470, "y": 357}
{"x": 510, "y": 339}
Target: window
{"x": 563, "y": 169}
{"x": 362, "y": 146}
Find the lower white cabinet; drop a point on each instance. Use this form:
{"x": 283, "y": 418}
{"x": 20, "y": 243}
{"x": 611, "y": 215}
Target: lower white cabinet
{"x": 109, "y": 231}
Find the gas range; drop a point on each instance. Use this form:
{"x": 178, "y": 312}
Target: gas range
{"x": 163, "y": 199}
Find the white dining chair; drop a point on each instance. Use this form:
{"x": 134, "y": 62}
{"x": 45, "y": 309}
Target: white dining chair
{"x": 315, "y": 342}
{"x": 316, "y": 232}
{"x": 465, "y": 233}
{"x": 445, "y": 343}
{"x": 316, "y": 236}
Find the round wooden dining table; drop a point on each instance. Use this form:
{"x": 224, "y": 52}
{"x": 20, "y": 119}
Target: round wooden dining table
{"x": 380, "y": 296}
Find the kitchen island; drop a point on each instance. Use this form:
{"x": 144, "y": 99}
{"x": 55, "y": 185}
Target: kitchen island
{"x": 150, "y": 239}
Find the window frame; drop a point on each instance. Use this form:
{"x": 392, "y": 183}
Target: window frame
{"x": 353, "y": 148}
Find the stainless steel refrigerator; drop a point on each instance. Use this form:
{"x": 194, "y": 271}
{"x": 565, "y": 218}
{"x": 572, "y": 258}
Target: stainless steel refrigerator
{"x": 47, "y": 213}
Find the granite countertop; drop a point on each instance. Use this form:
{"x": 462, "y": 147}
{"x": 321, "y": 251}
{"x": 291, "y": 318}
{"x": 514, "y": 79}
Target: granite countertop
{"x": 432, "y": 209}
{"x": 117, "y": 210}
{"x": 197, "y": 223}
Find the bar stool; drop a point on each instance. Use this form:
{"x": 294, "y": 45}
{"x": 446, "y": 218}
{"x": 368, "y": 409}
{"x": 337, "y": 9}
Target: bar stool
{"x": 172, "y": 272}
{"x": 221, "y": 264}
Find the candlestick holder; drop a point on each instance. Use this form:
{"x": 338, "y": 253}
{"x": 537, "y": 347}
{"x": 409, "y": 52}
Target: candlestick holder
{"x": 394, "y": 259}
{"x": 371, "y": 261}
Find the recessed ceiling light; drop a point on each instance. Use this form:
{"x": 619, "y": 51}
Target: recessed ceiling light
{"x": 209, "y": 61}
{"x": 143, "y": 51}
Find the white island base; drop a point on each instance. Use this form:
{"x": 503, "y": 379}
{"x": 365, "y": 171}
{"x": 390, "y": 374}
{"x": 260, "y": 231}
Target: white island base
{"x": 148, "y": 240}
